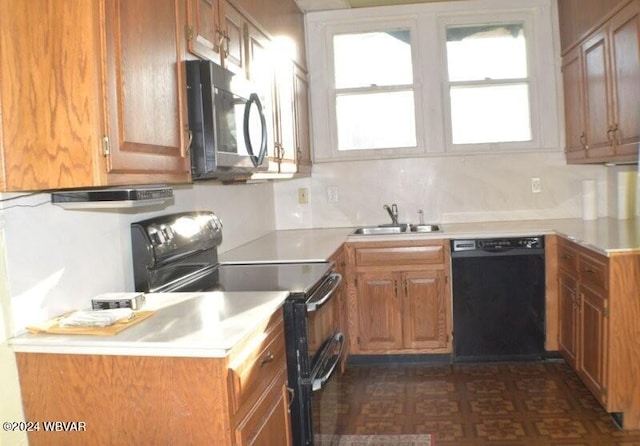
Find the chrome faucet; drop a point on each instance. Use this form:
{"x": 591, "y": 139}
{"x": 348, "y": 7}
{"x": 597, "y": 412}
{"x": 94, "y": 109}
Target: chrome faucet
{"x": 393, "y": 212}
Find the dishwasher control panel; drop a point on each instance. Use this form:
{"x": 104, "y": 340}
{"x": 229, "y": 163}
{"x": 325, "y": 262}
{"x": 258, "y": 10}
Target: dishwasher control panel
{"x": 498, "y": 244}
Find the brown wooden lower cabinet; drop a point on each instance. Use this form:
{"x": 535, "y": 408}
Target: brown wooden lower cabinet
{"x": 241, "y": 399}
{"x": 399, "y": 297}
{"x": 598, "y": 320}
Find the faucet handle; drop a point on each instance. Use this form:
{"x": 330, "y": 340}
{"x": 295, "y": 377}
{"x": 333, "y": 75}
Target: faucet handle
{"x": 420, "y": 217}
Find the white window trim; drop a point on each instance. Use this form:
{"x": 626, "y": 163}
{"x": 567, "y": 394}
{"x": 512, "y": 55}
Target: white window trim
{"x": 327, "y": 100}
{"x": 426, "y": 23}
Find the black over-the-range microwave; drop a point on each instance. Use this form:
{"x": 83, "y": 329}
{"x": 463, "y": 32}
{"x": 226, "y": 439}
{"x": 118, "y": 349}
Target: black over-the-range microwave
{"x": 227, "y": 123}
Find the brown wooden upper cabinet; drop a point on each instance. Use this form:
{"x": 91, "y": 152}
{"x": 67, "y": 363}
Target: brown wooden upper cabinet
{"x": 205, "y": 36}
{"x": 601, "y": 73}
{"x": 245, "y": 36}
{"x": 91, "y": 93}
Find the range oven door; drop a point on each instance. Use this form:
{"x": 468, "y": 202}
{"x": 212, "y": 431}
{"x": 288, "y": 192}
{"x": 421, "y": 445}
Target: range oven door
{"x": 314, "y": 349}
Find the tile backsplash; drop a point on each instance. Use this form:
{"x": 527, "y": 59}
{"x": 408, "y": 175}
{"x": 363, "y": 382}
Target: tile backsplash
{"x": 448, "y": 189}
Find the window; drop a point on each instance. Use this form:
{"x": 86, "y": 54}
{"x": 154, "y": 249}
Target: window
{"x": 434, "y": 79}
{"x": 488, "y": 83}
{"x": 373, "y": 80}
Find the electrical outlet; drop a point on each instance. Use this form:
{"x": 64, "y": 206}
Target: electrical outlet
{"x": 303, "y": 195}
{"x": 332, "y": 194}
{"x": 536, "y": 185}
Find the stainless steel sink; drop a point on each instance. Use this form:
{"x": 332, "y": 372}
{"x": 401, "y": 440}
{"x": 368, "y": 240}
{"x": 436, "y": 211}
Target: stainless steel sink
{"x": 378, "y": 230}
{"x": 395, "y": 229}
{"x": 425, "y": 228}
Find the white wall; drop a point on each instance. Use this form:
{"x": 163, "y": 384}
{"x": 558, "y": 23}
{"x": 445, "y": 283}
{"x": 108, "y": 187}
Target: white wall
{"x": 447, "y": 188}
{"x": 58, "y": 259}
{"x": 10, "y": 404}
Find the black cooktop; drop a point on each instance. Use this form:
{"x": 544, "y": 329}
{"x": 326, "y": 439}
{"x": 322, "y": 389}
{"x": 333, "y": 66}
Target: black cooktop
{"x": 296, "y": 278}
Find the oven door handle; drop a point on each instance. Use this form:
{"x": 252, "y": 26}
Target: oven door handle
{"x": 327, "y": 362}
{"x": 314, "y": 302}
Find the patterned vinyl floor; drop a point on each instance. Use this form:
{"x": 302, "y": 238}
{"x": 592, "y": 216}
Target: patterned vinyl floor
{"x": 514, "y": 404}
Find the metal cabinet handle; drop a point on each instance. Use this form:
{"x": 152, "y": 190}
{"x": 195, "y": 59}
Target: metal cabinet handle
{"x": 188, "y": 149}
{"x": 292, "y": 394}
{"x": 267, "y": 358}
{"x": 583, "y": 141}
{"x": 224, "y": 37}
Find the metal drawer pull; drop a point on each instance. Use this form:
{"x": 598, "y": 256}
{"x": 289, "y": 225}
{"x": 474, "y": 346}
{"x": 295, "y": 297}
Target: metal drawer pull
{"x": 267, "y": 359}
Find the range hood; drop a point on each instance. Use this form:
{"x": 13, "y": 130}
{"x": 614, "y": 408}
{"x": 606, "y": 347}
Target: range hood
{"x": 113, "y": 197}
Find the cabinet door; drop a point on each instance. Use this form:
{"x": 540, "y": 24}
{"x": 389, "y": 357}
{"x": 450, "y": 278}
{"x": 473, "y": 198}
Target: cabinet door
{"x": 203, "y": 30}
{"x": 234, "y": 32}
{"x": 578, "y": 16}
{"x": 597, "y": 98}
{"x": 286, "y": 125}
{"x": 379, "y": 311}
{"x": 424, "y": 310}
{"x": 568, "y": 317}
{"x": 146, "y": 108}
{"x": 269, "y": 423}
{"x": 593, "y": 336}
{"x": 625, "y": 62}
{"x": 52, "y": 126}
{"x": 301, "y": 110}
{"x": 573, "y": 79}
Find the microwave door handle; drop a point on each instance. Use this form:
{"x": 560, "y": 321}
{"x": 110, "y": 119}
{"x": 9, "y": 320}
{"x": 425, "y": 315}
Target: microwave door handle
{"x": 314, "y": 304}
{"x": 255, "y": 100}
{"x": 318, "y": 383}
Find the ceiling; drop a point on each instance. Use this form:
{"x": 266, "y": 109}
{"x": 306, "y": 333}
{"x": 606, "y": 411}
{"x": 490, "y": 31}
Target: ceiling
{"x": 320, "y": 5}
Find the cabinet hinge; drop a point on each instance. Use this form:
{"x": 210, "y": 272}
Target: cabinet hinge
{"x": 189, "y": 32}
{"x": 106, "y": 150}
{"x": 606, "y": 312}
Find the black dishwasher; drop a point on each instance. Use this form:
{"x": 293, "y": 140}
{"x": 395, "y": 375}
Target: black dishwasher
{"x": 498, "y": 299}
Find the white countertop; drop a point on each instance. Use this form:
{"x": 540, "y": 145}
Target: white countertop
{"x": 605, "y": 235}
{"x": 185, "y": 324}
{"x": 293, "y": 245}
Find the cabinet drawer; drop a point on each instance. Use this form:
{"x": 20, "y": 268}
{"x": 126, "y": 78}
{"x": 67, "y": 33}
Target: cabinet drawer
{"x": 593, "y": 270}
{"x": 567, "y": 257}
{"x": 400, "y": 255}
{"x": 252, "y": 372}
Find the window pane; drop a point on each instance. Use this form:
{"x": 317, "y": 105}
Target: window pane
{"x": 375, "y": 121}
{"x": 490, "y": 114}
{"x": 376, "y": 58}
{"x": 482, "y": 52}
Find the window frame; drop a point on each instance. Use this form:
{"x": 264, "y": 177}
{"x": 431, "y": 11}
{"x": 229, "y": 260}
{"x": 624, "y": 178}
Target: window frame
{"x": 365, "y": 26}
{"x": 374, "y": 89}
{"x": 426, "y": 22}
{"x": 531, "y": 80}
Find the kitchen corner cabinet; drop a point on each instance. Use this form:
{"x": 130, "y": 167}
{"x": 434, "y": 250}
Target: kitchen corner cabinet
{"x": 578, "y": 17}
{"x": 601, "y": 75}
{"x": 292, "y": 152}
{"x": 399, "y": 297}
{"x": 91, "y": 94}
{"x": 598, "y": 315}
{"x": 238, "y": 400}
